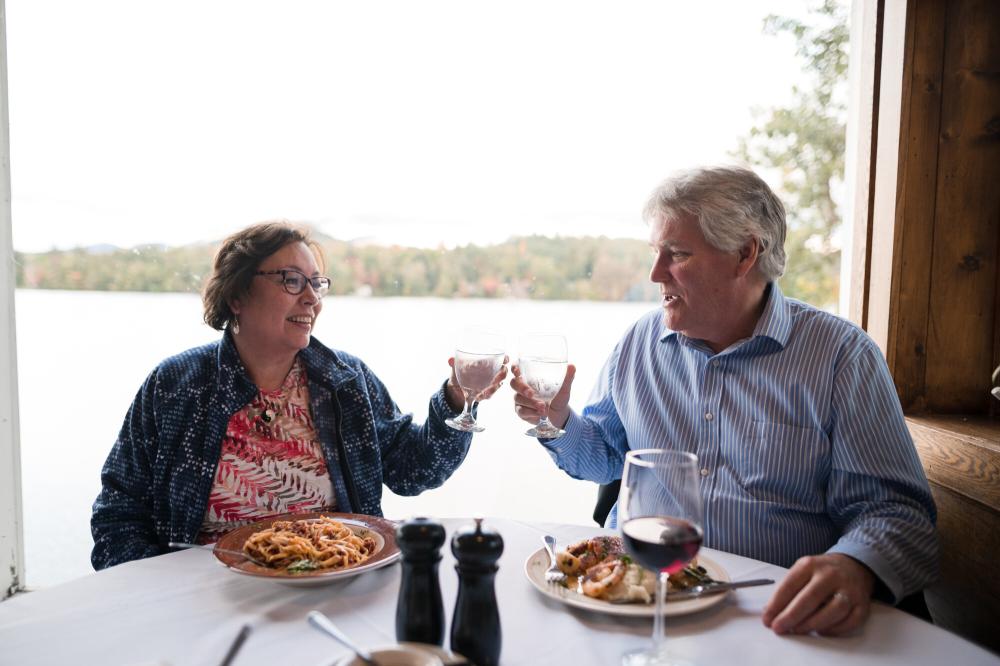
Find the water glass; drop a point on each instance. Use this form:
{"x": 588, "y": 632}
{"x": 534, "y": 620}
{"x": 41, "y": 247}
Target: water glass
{"x": 478, "y": 358}
{"x": 542, "y": 359}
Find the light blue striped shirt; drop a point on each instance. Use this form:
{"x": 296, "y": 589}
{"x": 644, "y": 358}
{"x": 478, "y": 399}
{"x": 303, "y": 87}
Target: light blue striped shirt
{"x": 798, "y": 431}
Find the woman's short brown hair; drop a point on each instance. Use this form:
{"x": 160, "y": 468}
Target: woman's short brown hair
{"x": 239, "y": 257}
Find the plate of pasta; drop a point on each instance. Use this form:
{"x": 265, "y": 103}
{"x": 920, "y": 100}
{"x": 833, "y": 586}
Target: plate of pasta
{"x": 308, "y": 549}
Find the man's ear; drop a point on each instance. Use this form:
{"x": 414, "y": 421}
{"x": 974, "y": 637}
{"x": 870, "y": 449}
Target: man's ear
{"x": 748, "y": 255}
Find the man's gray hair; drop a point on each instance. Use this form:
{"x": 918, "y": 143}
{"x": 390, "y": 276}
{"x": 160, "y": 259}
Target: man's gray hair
{"x": 731, "y": 204}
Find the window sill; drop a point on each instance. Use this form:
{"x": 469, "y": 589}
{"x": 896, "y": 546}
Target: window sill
{"x": 961, "y": 453}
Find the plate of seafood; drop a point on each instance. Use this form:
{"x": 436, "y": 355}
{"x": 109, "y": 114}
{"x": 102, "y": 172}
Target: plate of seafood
{"x": 601, "y": 577}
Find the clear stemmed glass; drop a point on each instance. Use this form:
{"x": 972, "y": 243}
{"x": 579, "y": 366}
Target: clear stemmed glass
{"x": 542, "y": 358}
{"x": 660, "y": 516}
{"x": 478, "y": 359}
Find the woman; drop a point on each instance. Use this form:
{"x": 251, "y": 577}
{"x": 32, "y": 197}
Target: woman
{"x": 265, "y": 421}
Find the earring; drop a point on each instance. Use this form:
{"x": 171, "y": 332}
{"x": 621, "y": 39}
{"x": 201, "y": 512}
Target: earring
{"x": 236, "y": 326}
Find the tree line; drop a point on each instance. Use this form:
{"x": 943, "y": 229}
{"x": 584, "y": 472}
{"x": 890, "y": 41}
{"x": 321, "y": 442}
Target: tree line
{"x": 586, "y": 268}
{"x": 533, "y": 267}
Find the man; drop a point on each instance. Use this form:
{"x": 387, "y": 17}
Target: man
{"x": 806, "y": 460}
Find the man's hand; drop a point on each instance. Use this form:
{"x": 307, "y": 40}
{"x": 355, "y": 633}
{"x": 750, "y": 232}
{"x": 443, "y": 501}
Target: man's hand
{"x": 829, "y": 594}
{"x": 456, "y": 397}
{"x": 531, "y": 409}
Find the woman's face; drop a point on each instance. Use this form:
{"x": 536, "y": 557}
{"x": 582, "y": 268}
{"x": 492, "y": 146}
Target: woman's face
{"x": 272, "y": 321}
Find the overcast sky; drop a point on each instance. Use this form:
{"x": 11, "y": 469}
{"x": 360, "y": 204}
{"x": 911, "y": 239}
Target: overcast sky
{"x": 412, "y": 122}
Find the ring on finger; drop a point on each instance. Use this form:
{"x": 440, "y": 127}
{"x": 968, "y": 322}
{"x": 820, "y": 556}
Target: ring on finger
{"x": 840, "y": 596}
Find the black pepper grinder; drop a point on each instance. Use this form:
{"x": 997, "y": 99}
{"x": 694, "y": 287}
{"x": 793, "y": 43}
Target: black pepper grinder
{"x": 419, "y": 610}
{"x": 475, "y": 627}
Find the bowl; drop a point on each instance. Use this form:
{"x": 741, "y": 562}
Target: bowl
{"x": 402, "y": 654}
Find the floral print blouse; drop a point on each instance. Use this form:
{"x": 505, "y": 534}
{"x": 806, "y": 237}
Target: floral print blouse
{"x": 272, "y": 461}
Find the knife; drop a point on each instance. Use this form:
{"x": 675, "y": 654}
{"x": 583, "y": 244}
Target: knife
{"x": 713, "y": 588}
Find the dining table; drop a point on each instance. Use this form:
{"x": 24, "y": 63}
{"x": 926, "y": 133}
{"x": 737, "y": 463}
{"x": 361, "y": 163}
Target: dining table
{"x": 185, "y": 607}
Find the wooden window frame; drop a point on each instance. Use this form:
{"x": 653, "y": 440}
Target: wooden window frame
{"x": 921, "y": 273}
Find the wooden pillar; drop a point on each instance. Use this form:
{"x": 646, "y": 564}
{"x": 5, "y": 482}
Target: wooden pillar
{"x": 935, "y": 232}
{"x": 932, "y": 281}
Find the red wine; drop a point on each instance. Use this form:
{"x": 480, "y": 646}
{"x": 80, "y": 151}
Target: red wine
{"x": 661, "y": 544}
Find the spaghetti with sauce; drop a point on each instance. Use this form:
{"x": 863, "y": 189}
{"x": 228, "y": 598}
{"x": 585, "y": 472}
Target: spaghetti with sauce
{"x": 305, "y": 545}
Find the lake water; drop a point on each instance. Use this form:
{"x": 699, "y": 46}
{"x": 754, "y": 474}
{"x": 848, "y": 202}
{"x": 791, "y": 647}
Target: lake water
{"x": 83, "y": 355}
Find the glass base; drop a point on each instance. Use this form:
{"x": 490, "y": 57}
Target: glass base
{"x": 465, "y": 424}
{"x": 545, "y": 431}
{"x": 652, "y": 657}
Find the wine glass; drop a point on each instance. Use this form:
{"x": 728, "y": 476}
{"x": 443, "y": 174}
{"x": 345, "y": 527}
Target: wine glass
{"x": 660, "y": 515}
{"x": 478, "y": 359}
{"x": 542, "y": 360}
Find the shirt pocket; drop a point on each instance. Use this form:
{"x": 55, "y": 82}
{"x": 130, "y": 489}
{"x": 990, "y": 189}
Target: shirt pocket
{"x": 784, "y": 464}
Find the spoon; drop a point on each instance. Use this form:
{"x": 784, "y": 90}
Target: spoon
{"x": 323, "y": 623}
{"x": 208, "y": 546}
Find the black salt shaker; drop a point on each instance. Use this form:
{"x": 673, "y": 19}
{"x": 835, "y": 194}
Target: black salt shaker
{"x": 475, "y": 627}
{"x": 419, "y": 610}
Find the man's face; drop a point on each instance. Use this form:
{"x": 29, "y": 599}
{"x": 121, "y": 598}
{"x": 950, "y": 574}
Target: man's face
{"x": 700, "y": 285}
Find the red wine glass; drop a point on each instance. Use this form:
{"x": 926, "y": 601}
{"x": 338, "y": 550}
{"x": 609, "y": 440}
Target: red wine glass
{"x": 660, "y": 516}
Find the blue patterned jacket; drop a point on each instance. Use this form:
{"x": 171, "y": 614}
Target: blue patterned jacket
{"x": 158, "y": 476}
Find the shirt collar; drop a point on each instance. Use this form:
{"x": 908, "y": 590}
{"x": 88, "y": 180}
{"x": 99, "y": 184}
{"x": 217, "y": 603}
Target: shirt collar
{"x": 775, "y": 323}
{"x": 319, "y": 362}
{"x": 325, "y": 364}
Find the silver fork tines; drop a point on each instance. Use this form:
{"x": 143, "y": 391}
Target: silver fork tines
{"x": 553, "y": 575}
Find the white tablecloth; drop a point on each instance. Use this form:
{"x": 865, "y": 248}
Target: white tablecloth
{"x": 184, "y": 608}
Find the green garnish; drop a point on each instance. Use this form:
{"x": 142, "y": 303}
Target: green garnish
{"x": 302, "y": 566}
{"x": 698, "y": 573}
{"x": 626, "y": 559}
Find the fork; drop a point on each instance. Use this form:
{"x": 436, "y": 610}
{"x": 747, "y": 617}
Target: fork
{"x": 553, "y": 575}
{"x": 208, "y": 546}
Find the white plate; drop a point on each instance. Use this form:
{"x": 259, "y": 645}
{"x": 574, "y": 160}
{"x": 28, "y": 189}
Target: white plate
{"x": 380, "y": 529}
{"x": 538, "y": 562}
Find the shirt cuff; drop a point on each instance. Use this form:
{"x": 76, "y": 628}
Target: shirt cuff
{"x": 565, "y": 443}
{"x": 871, "y": 558}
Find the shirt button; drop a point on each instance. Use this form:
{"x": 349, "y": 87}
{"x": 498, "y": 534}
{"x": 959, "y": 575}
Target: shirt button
{"x": 708, "y": 416}
{"x": 704, "y": 471}
{"x": 715, "y": 364}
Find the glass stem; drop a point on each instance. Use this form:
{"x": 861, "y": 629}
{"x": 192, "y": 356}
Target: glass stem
{"x": 659, "y": 630}
{"x": 467, "y": 410}
{"x": 544, "y": 421}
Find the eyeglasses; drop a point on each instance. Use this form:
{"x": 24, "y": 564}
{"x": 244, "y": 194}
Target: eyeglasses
{"x": 295, "y": 281}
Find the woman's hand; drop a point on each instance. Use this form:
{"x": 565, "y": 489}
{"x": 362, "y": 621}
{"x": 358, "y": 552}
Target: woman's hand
{"x": 530, "y": 409}
{"x": 455, "y": 395}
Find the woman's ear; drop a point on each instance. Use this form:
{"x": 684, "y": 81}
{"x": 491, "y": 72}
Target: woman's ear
{"x": 748, "y": 255}
{"x": 234, "y": 306}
